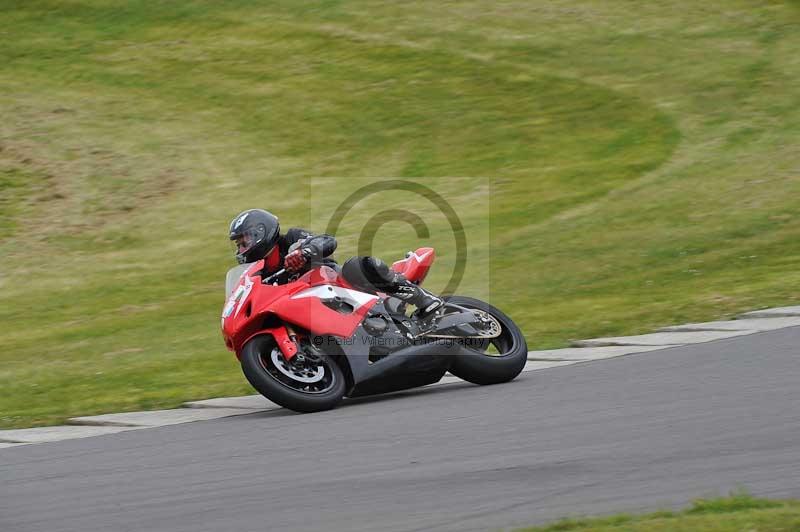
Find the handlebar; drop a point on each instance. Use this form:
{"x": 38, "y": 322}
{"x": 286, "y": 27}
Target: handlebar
{"x": 275, "y": 276}
{"x": 272, "y": 278}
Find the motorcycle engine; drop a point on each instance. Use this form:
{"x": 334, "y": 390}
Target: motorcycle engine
{"x": 376, "y": 325}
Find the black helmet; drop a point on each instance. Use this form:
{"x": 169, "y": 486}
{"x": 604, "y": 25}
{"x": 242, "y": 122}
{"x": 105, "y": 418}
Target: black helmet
{"x": 254, "y": 233}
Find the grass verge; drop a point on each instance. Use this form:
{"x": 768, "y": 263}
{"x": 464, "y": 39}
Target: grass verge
{"x": 639, "y": 166}
{"x": 735, "y": 513}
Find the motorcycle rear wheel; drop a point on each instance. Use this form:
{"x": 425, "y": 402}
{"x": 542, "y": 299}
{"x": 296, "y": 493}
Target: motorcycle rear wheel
{"x": 310, "y": 388}
{"x": 510, "y": 355}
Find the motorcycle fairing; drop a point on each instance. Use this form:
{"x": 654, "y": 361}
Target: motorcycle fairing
{"x": 321, "y": 275}
{"x": 416, "y": 265}
{"x": 410, "y": 367}
{"x": 308, "y": 310}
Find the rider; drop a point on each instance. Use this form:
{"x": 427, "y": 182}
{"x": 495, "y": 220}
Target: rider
{"x": 256, "y": 235}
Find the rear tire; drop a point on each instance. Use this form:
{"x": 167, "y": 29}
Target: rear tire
{"x": 258, "y": 365}
{"x": 477, "y": 366}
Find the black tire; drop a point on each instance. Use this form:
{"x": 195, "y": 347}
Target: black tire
{"x": 480, "y": 368}
{"x": 257, "y": 366}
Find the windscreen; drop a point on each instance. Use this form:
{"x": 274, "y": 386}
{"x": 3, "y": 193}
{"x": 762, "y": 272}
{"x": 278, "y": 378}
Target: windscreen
{"x": 232, "y": 278}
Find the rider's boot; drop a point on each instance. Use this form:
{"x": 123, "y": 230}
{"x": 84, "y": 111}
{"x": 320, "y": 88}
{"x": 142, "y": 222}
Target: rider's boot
{"x": 426, "y": 302}
{"x": 372, "y": 274}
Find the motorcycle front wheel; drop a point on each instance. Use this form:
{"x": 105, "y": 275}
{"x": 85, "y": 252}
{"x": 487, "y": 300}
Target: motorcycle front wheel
{"x": 315, "y": 384}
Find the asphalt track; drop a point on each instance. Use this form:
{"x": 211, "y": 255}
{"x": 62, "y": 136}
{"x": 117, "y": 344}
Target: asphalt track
{"x": 634, "y": 433}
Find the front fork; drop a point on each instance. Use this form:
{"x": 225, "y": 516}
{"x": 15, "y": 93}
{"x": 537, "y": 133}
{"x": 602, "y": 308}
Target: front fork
{"x": 286, "y": 338}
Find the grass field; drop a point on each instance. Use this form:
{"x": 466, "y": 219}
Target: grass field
{"x": 625, "y": 168}
{"x": 735, "y": 513}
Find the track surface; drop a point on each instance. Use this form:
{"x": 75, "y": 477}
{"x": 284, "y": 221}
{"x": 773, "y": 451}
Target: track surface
{"x": 639, "y": 432}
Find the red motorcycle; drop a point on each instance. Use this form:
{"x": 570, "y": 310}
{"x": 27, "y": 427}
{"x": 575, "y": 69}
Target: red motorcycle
{"x": 306, "y": 341}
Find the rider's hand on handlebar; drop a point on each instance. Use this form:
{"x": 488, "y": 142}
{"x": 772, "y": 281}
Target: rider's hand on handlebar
{"x": 295, "y": 260}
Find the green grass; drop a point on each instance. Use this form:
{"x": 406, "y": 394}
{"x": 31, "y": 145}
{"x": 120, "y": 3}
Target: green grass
{"x": 735, "y": 513}
{"x": 619, "y": 169}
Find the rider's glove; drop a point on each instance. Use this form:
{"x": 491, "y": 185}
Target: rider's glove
{"x": 295, "y": 260}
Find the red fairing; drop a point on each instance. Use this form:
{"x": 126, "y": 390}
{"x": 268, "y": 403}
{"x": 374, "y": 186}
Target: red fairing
{"x": 310, "y": 313}
{"x": 322, "y": 275}
{"x": 300, "y": 303}
{"x": 415, "y": 268}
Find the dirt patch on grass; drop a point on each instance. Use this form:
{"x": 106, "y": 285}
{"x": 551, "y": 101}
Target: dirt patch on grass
{"x": 85, "y": 188}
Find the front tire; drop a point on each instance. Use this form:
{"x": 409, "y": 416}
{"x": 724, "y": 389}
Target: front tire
{"x": 511, "y": 350}
{"x": 314, "y": 388}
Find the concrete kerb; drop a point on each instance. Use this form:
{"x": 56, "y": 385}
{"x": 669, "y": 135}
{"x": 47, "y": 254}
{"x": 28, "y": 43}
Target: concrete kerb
{"x": 581, "y": 354}
{"x": 746, "y": 324}
{"x": 582, "y": 351}
{"x": 160, "y": 418}
{"x": 247, "y": 402}
{"x": 661, "y": 339}
{"x": 779, "y": 312}
{"x": 58, "y": 433}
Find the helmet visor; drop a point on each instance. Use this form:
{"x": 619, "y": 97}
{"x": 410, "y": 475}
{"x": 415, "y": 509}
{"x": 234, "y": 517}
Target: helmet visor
{"x": 242, "y": 243}
{"x": 248, "y": 239}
